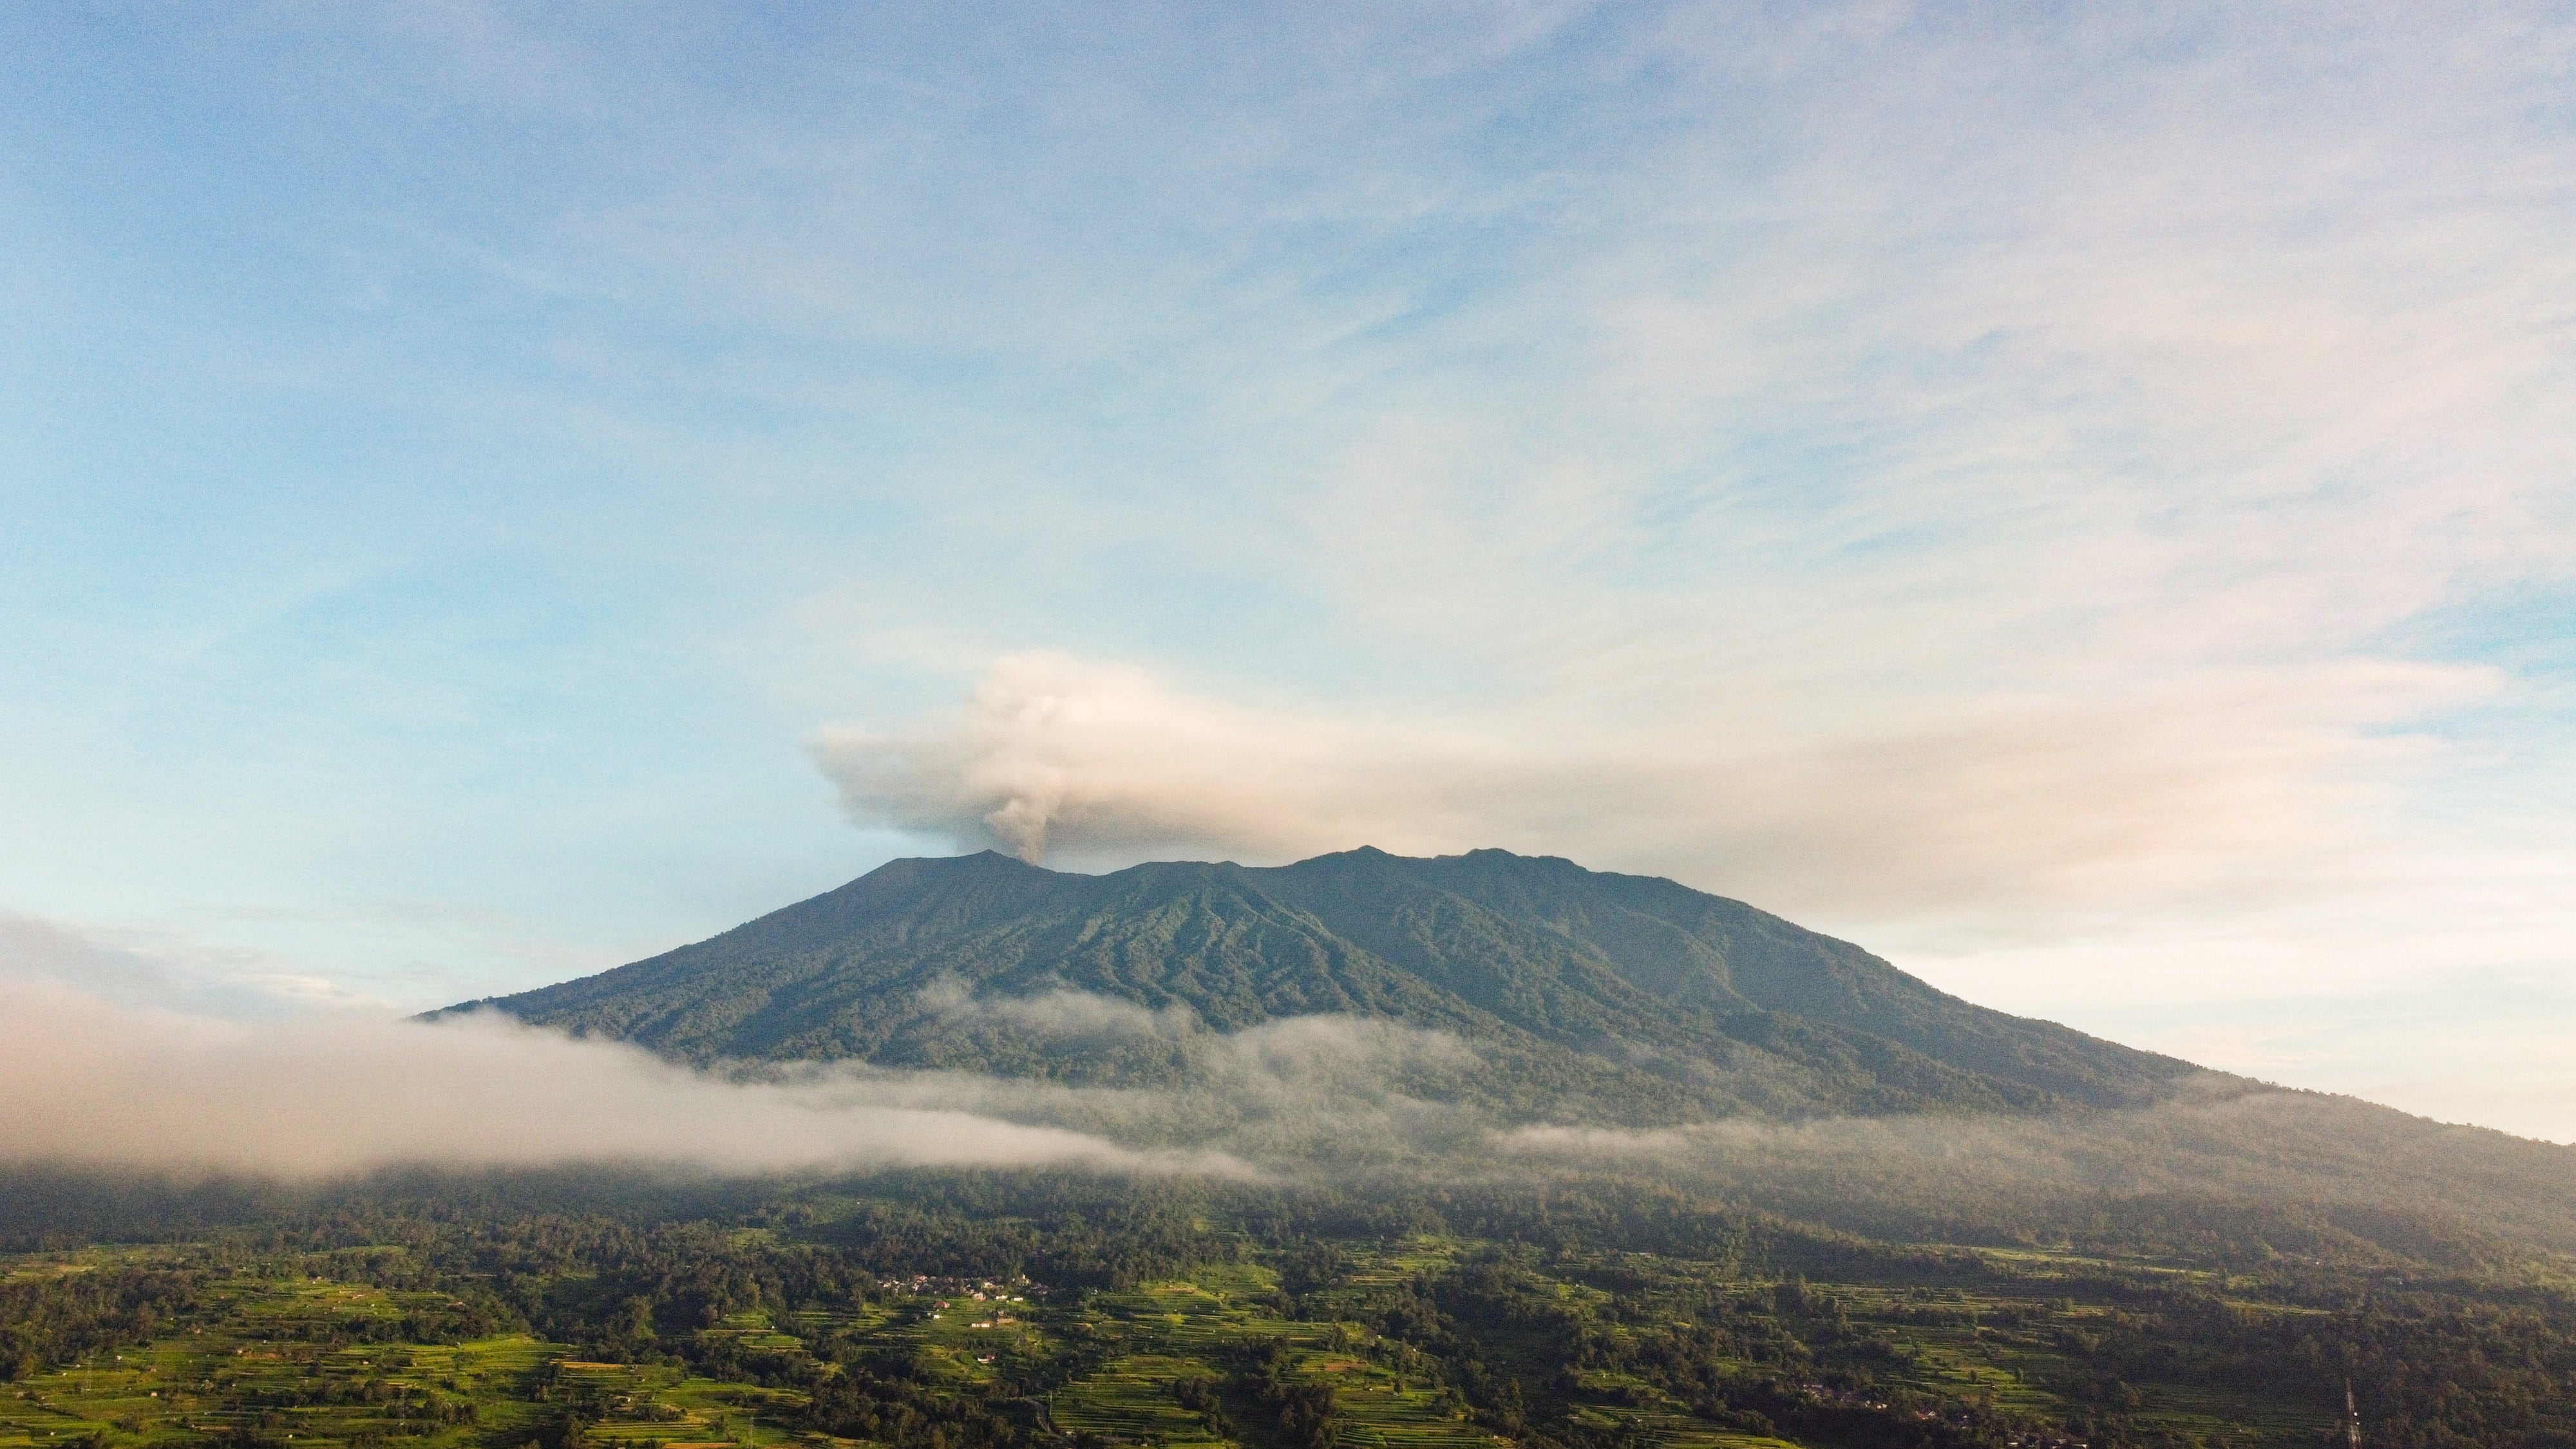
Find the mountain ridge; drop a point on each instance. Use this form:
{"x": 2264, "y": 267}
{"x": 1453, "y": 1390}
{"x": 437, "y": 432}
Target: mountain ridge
{"x": 1585, "y": 994}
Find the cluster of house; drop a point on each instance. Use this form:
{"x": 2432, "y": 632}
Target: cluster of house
{"x": 985, "y": 1289}
{"x": 964, "y": 1292}
{"x": 1854, "y": 1399}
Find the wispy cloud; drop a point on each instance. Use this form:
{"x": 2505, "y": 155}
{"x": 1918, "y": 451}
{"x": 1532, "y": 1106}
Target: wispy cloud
{"x": 1060, "y": 1014}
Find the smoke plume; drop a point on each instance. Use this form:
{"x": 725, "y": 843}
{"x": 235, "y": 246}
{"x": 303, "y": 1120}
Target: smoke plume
{"x": 1096, "y": 764}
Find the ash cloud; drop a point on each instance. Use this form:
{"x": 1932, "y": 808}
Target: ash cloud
{"x": 1101, "y": 764}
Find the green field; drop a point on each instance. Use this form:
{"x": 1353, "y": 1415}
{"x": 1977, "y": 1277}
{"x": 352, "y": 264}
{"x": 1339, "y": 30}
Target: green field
{"x": 1420, "y": 1341}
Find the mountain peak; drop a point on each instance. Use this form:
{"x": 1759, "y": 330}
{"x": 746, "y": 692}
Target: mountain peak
{"x": 1586, "y": 994}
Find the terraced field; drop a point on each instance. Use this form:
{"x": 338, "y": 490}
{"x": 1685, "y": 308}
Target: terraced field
{"x": 277, "y": 1361}
{"x": 1172, "y": 1331}
{"x": 2008, "y": 1351}
{"x": 307, "y": 1359}
{"x": 312, "y": 1360}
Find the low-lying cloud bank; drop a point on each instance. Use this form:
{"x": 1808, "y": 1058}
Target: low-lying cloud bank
{"x": 93, "y": 1084}
{"x": 97, "y": 1075}
{"x": 98, "y": 1071}
{"x": 1296, "y": 1096}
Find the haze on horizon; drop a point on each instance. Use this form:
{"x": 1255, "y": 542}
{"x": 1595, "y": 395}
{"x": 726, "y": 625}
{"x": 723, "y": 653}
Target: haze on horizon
{"x": 2082, "y": 505}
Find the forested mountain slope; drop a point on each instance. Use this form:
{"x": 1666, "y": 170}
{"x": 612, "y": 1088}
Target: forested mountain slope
{"x": 1634, "y": 997}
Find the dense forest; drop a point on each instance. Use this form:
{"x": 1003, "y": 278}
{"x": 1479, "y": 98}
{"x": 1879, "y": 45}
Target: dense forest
{"x": 999, "y": 1309}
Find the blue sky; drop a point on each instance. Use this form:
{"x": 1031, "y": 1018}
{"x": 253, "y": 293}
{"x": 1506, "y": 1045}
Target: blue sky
{"x": 2082, "y": 503}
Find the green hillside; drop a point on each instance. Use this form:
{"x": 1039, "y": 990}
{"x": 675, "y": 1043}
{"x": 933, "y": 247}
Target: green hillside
{"x": 1580, "y": 993}
{"x": 976, "y": 1311}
